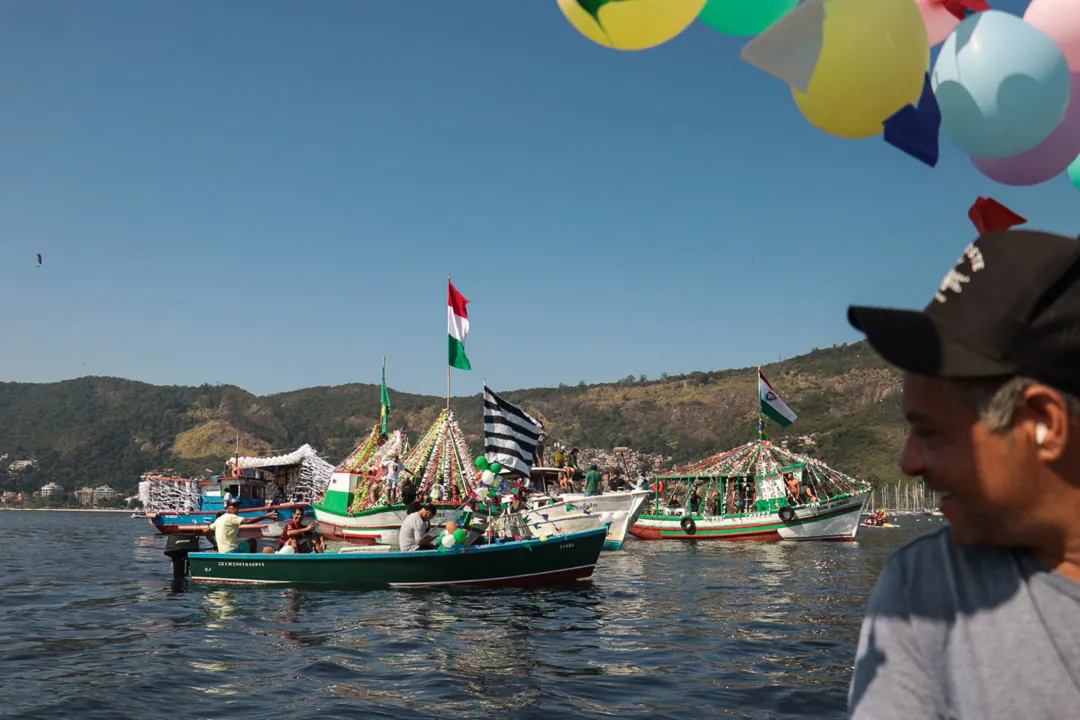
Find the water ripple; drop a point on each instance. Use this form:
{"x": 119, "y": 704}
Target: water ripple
{"x": 92, "y": 629}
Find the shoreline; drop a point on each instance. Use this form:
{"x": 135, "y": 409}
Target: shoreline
{"x": 89, "y": 510}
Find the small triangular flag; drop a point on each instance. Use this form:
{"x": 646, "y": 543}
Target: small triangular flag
{"x": 916, "y": 131}
{"x": 790, "y": 49}
{"x": 988, "y": 215}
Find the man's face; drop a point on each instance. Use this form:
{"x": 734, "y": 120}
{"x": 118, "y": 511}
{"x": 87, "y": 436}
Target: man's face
{"x": 298, "y": 515}
{"x": 426, "y": 515}
{"x": 985, "y": 477}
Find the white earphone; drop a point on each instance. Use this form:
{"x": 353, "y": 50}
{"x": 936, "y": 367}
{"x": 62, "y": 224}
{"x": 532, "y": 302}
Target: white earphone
{"x": 1040, "y": 434}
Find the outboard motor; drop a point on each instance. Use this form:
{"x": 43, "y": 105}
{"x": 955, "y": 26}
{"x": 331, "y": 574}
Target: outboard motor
{"x": 177, "y": 548}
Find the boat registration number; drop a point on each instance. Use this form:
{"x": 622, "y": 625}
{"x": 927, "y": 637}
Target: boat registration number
{"x": 563, "y": 546}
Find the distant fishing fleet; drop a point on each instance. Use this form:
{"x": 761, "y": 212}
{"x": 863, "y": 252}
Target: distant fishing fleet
{"x": 401, "y": 515}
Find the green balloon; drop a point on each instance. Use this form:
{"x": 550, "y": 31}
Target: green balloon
{"x": 1074, "y": 173}
{"x": 460, "y": 535}
{"x": 745, "y": 17}
{"x": 496, "y": 468}
{"x": 482, "y": 463}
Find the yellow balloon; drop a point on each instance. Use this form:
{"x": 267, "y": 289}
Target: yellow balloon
{"x": 874, "y": 56}
{"x": 631, "y": 24}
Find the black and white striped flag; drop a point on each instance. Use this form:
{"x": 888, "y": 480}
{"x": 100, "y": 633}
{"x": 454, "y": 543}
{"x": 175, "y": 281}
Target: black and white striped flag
{"x": 511, "y": 435}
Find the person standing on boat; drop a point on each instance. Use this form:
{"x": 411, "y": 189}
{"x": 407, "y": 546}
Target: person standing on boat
{"x": 226, "y": 528}
{"x": 391, "y": 473}
{"x": 978, "y": 618}
{"x": 592, "y": 480}
{"x": 414, "y": 528}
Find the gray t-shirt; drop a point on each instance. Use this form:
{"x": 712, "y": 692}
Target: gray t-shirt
{"x": 412, "y": 531}
{"x": 960, "y": 632}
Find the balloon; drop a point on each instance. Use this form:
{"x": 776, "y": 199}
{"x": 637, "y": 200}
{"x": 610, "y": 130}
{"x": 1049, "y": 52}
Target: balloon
{"x": 1003, "y": 86}
{"x": 460, "y": 535}
{"x": 448, "y": 541}
{"x": 1074, "y": 173}
{"x": 451, "y": 526}
{"x": 874, "y": 55}
{"x": 1046, "y": 160}
{"x": 631, "y": 24}
{"x": 939, "y": 22}
{"x": 745, "y": 17}
{"x": 482, "y": 463}
{"x": 1060, "y": 20}
{"x": 496, "y": 468}
{"x": 543, "y": 538}
{"x": 487, "y": 477}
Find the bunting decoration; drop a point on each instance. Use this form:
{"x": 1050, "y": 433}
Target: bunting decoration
{"x": 439, "y": 465}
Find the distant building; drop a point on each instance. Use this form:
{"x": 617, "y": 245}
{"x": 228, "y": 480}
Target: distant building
{"x": 52, "y": 491}
{"x": 8, "y": 496}
{"x": 21, "y": 465}
{"x": 103, "y": 494}
{"x": 85, "y": 496}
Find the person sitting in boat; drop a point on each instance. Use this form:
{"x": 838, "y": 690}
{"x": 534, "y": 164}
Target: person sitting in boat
{"x": 295, "y": 529}
{"x": 226, "y": 528}
{"x": 560, "y": 457}
{"x": 414, "y": 528}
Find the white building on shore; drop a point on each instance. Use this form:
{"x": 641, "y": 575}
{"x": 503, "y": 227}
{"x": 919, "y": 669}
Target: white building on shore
{"x": 52, "y": 491}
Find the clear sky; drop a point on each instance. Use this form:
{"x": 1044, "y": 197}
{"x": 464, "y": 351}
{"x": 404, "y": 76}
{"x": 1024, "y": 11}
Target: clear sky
{"x": 272, "y": 193}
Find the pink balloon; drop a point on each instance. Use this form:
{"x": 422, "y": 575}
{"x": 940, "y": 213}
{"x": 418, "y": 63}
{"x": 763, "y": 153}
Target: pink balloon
{"x": 1046, "y": 160}
{"x": 1060, "y": 19}
{"x": 939, "y": 22}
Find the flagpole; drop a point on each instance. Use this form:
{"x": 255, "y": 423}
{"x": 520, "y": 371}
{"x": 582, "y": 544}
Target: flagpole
{"x": 448, "y": 363}
{"x": 760, "y": 418}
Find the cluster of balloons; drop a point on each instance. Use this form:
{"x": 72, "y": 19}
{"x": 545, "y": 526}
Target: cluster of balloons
{"x": 451, "y": 536}
{"x": 489, "y": 472}
{"x": 1004, "y": 89}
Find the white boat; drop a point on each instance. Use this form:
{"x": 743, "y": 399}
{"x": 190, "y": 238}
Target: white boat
{"x": 552, "y": 511}
{"x": 750, "y": 499}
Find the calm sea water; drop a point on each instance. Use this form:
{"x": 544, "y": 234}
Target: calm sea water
{"x": 90, "y": 628}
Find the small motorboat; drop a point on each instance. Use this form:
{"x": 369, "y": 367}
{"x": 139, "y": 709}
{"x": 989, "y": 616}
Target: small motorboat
{"x": 549, "y": 559}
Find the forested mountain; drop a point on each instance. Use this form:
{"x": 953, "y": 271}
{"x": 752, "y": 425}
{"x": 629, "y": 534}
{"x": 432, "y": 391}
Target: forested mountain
{"x": 97, "y": 430}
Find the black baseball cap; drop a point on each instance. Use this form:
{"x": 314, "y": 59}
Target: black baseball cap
{"x": 1010, "y": 306}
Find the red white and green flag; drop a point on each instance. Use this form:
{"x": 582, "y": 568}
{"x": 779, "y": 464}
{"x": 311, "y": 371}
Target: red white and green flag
{"x": 772, "y": 405}
{"x": 457, "y": 325}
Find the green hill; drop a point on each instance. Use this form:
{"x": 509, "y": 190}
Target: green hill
{"x": 97, "y": 430}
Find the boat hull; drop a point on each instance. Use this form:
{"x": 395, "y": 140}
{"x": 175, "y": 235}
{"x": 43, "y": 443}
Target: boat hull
{"x": 834, "y": 520}
{"x": 169, "y": 523}
{"x": 575, "y": 512}
{"x": 377, "y": 526}
{"x": 528, "y": 562}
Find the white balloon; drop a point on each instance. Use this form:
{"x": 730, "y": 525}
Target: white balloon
{"x": 487, "y": 477}
{"x": 448, "y": 541}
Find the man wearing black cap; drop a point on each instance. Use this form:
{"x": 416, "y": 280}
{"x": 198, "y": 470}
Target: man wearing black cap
{"x": 415, "y": 527}
{"x": 981, "y": 619}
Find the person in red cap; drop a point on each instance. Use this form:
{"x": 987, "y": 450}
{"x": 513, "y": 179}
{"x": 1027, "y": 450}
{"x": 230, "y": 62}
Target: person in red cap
{"x": 981, "y": 619}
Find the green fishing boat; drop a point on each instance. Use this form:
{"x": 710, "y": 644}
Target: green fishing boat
{"x": 555, "y": 559}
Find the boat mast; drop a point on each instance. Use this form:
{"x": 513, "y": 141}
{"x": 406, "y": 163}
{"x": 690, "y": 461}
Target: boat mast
{"x": 448, "y": 369}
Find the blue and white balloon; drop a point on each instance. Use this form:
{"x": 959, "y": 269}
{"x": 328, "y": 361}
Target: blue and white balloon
{"x": 1003, "y": 85}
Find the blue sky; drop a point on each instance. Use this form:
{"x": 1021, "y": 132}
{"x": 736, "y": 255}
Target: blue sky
{"x": 272, "y": 194}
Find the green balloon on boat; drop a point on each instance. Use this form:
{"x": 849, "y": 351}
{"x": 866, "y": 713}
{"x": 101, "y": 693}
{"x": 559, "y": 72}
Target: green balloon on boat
{"x": 482, "y": 463}
{"x": 459, "y": 535}
{"x": 496, "y": 468}
{"x": 745, "y": 17}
